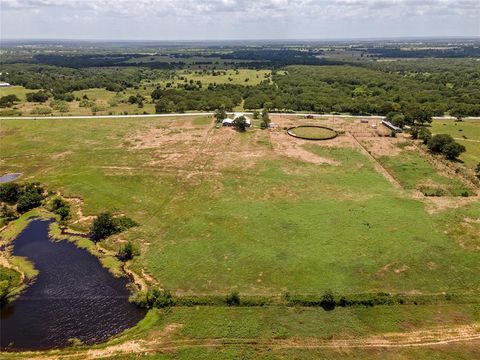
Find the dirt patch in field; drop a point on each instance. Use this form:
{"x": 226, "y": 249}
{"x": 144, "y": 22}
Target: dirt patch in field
{"x": 285, "y": 145}
{"x": 382, "y": 146}
{"x": 401, "y": 269}
{"x": 441, "y": 203}
{"x": 77, "y": 209}
{"x": 62, "y": 155}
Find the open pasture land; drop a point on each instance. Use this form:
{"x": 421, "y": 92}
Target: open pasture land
{"x": 228, "y": 76}
{"x": 259, "y": 212}
{"x": 19, "y": 91}
{"x": 264, "y": 214}
{"x": 99, "y": 101}
{"x": 465, "y": 132}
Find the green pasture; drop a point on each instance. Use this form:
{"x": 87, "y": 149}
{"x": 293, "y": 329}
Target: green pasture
{"x": 19, "y": 91}
{"x": 229, "y": 76}
{"x": 465, "y": 132}
{"x": 414, "y": 172}
{"x": 263, "y": 225}
{"x": 313, "y": 132}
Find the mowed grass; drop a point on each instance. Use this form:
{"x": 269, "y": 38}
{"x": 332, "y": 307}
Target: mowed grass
{"x": 312, "y": 132}
{"x": 414, "y": 172}
{"x": 262, "y": 225}
{"x": 466, "y": 132}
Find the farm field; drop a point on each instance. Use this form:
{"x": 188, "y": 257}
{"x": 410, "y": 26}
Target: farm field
{"x": 213, "y": 203}
{"x": 264, "y": 214}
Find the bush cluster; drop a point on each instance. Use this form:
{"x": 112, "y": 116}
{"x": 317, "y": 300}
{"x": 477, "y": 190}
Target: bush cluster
{"x": 61, "y": 208}
{"x": 127, "y": 252}
{"x": 106, "y": 225}
{"x": 154, "y": 298}
{"x": 8, "y": 100}
{"x": 446, "y": 145}
{"x": 26, "y": 197}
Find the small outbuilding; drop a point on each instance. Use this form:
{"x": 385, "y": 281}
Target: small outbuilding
{"x": 392, "y": 127}
{"x": 4, "y": 84}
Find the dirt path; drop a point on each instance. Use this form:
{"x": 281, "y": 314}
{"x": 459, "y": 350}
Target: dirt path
{"x": 471, "y": 140}
{"x": 379, "y": 167}
{"x": 421, "y": 338}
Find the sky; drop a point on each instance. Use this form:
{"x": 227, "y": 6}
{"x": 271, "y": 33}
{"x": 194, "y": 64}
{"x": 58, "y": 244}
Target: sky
{"x": 237, "y": 19}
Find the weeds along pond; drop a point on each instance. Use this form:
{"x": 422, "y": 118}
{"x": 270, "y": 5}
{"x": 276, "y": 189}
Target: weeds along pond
{"x": 73, "y": 297}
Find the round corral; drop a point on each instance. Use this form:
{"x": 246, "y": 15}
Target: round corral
{"x": 312, "y": 132}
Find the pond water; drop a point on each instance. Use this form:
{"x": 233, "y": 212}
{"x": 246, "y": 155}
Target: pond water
{"x": 9, "y": 177}
{"x": 73, "y": 296}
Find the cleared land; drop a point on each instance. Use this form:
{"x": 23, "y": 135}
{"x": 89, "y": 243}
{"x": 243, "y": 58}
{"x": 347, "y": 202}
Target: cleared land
{"x": 259, "y": 212}
{"x": 265, "y": 214}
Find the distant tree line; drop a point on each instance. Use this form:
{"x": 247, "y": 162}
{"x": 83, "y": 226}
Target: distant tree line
{"x": 433, "y": 86}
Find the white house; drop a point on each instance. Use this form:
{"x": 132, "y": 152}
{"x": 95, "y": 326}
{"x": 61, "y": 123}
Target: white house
{"x": 227, "y": 122}
{"x": 4, "y": 84}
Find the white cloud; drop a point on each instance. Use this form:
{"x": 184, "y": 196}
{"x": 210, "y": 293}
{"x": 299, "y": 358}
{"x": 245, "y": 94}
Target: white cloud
{"x": 266, "y": 18}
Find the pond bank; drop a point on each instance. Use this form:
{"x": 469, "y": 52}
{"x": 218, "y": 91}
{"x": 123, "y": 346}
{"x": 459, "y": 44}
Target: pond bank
{"x": 88, "y": 303}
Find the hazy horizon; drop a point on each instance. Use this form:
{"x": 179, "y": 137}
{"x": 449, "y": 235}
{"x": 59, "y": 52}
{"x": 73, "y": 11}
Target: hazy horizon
{"x": 237, "y": 20}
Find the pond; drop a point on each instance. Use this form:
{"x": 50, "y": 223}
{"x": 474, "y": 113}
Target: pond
{"x": 73, "y": 297}
{"x": 9, "y": 177}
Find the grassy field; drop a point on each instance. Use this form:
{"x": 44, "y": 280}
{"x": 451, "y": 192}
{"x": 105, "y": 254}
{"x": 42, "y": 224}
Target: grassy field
{"x": 262, "y": 213}
{"x": 314, "y": 133}
{"x": 209, "y": 225}
{"x": 229, "y": 76}
{"x": 466, "y": 133}
{"x": 19, "y": 91}
{"x": 414, "y": 172}
{"x": 289, "y": 333}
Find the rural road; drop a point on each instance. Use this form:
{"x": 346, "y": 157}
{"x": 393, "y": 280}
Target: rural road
{"x": 198, "y": 114}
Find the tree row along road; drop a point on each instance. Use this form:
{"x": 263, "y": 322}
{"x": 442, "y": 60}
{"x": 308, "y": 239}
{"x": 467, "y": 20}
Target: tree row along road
{"x": 205, "y": 114}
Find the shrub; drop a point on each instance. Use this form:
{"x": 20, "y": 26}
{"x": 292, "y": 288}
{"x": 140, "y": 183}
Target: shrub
{"x": 103, "y": 226}
{"x": 424, "y": 134}
{"x": 9, "y": 192}
{"x": 446, "y": 145}
{"x": 41, "y": 111}
{"x": 233, "y": 299}
{"x": 106, "y": 225}
{"x": 7, "y": 213}
{"x": 240, "y": 123}
{"x": 154, "y": 298}
{"x": 28, "y": 201}
{"x": 328, "y": 301}
{"x": 437, "y": 142}
{"x": 453, "y": 150}
{"x": 127, "y": 252}
{"x": 64, "y": 96}
{"x": 124, "y": 223}
{"x": 8, "y": 100}
{"x": 61, "y": 208}
{"x": 39, "y": 96}
{"x": 30, "y": 196}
